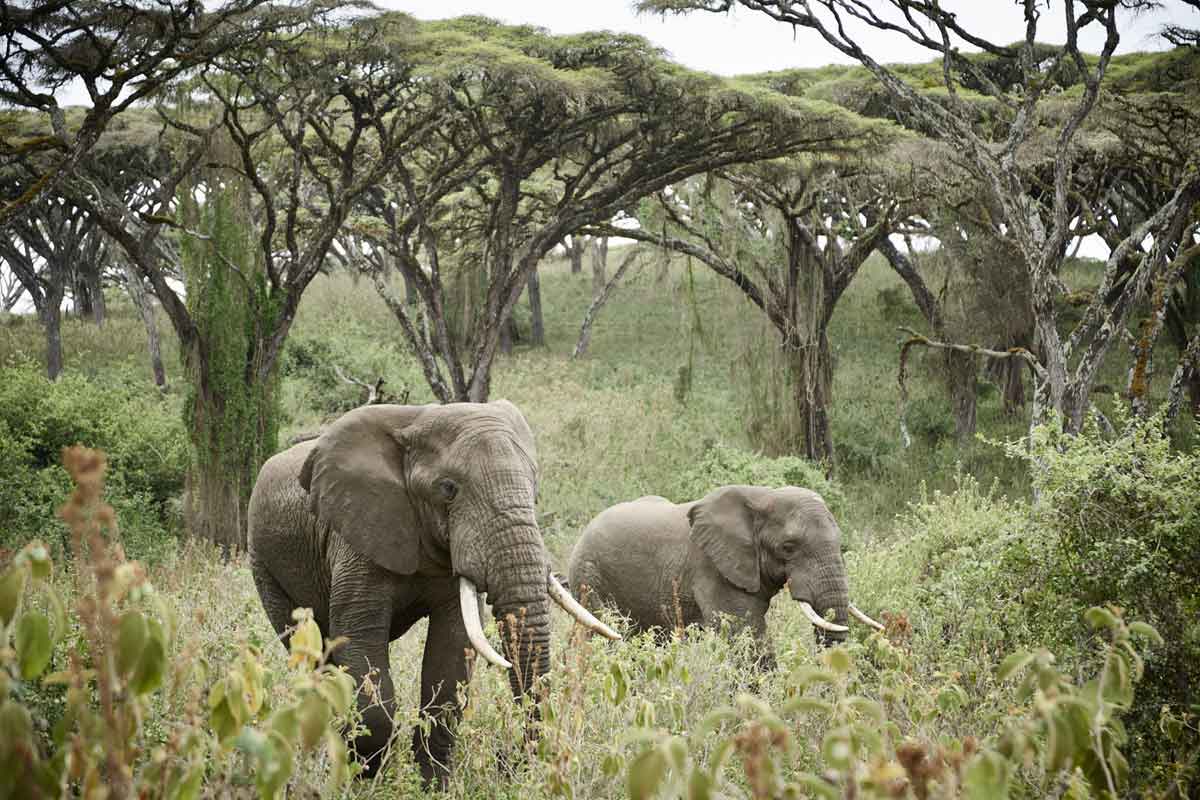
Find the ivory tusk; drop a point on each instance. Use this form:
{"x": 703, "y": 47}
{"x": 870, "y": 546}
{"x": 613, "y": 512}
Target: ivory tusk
{"x": 819, "y": 621}
{"x": 573, "y": 607}
{"x": 863, "y": 618}
{"x": 469, "y": 600}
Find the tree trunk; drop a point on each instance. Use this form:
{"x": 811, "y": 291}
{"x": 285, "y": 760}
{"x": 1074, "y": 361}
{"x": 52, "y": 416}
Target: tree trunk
{"x": 1008, "y": 374}
{"x": 961, "y": 371}
{"x": 145, "y": 306}
{"x": 537, "y": 333}
{"x": 575, "y": 251}
{"x": 811, "y": 367}
{"x": 599, "y": 266}
{"x": 508, "y": 335}
{"x": 52, "y": 322}
{"x": 96, "y": 293}
{"x": 589, "y": 318}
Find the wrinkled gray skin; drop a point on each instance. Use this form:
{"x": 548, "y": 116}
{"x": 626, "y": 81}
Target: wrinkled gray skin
{"x": 665, "y": 565}
{"x": 370, "y": 525}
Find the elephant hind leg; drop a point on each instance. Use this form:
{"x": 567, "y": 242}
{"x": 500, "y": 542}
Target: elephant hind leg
{"x": 275, "y": 601}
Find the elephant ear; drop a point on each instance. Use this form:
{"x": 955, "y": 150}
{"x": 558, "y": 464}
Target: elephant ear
{"x": 725, "y": 526}
{"x": 355, "y": 479}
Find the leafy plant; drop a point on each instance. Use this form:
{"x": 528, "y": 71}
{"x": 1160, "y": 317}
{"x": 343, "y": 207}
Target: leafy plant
{"x": 124, "y": 659}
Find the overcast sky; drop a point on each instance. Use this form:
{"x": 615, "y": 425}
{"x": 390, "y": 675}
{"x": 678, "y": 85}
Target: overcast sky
{"x": 744, "y": 41}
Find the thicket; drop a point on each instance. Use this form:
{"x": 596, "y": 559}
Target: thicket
{"x": 140, "y": 429}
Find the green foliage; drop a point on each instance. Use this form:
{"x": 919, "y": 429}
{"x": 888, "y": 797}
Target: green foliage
{"x": 119, "y": 655}
{"x": 1063, "y": 733}
{"x": 134, "y": 423}
{"x": 232, "y": 408}
{"x": 722, "y": 464}
{"x": 1122, "y": 515}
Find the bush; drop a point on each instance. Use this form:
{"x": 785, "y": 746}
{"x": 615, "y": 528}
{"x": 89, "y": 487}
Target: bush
{"x": 721, "y": 465}
{"x": 1124, "y": 517}
{"x": 141, "y": 430}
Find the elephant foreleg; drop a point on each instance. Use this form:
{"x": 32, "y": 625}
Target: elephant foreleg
{"x": 365, "y": 622}
{"x": 443, "y": 666}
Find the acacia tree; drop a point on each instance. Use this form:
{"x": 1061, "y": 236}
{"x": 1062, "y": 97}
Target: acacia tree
{"x": 43, "y": 247}
{"x": 290, "y": 133}
{"x": 1040, "y": 226}
{"x": 121, "y": 54}
{"x": 791, "y": 234}
{"x": 574, "y": 130}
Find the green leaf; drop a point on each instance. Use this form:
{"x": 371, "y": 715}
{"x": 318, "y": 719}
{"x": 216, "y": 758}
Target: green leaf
{"x": 314, "y": 715}
{"x": 33, "y": 644}
{"x": 808, "y": 705}
{"x": 12, "y": 583}
{"x": 838, "y": 659}
{"x": 868, "y": 708}
{"x": 1115, "y": 686}
{"x": 986, "y": 777}
{"x": 16, "y": 726}
{"x": 339, "y": 764}
{"x": 39, "y": 560}
{"x": 1100, "y": 618}
{"x": 646, "y": 773}
{"x": 615, "y": 684}
{"x": 1146, "y": 631}
{"x": 151, "y": 667}
{"x": 1015, "y": 662}
{"x": 337, "y": 687}
{"x": 286, "y": 722}
{"x": 700, "y": 785}
{"x": 132, "y": 633}
{"x": 1060, "y": 741}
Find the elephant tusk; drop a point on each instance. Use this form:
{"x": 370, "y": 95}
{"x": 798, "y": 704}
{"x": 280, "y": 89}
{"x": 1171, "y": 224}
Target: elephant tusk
{"x": 819, "y": 621}
{"x": 573, "y": 607}
{"x": 469, "y": 600}
{"x": 863, "y": 618}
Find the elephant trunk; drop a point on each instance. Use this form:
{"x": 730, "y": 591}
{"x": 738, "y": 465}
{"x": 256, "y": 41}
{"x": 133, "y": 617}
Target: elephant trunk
{"x": 521, "y": 604}
{"x": 824, "y": 588}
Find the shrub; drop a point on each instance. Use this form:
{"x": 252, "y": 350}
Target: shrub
{"x": 128, "y": 658}
{"x": 721, "y": 465}
{"x": 141, "y": 429}
{"x": 1124, "y": 517}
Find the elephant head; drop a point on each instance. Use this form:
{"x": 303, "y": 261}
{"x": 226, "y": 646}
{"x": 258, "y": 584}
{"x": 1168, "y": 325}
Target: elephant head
{"x": 446, "y": 490}
{"x": 759, "y": 539}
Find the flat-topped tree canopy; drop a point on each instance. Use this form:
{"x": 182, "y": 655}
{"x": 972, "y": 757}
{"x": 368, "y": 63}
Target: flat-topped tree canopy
{"x": 575, "y": 129}
{"x": 121, "y": 54}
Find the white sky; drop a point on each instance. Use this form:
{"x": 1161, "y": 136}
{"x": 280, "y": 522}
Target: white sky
{"x": 743, "y": 41}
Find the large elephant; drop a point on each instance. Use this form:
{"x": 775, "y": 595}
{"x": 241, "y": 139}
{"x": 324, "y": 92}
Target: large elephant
{"x": 401, "y": 512}
{"x": 665, "y": 565}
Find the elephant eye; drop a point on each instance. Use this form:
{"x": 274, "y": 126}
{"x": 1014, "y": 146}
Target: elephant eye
{"x": 788, "y": 547}
{"x": 448, "y": 489}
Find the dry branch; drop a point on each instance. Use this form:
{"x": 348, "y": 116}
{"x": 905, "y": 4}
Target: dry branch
{"x": 973, "y": 349}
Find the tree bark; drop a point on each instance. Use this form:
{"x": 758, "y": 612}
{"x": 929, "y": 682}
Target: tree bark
{"x": 145, "y": 306}
{"x": 811, "y": 367}
{"x": 537, "y": 333}
{"x": 52, "y": 323}
{"x": 589, "y": 318}
{"x": 575, "y": 250}
{"x": 961, "y": 371}
{"x": 599, "y": 266}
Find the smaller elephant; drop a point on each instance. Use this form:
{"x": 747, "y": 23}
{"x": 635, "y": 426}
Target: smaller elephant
{"x": 666, "y": 565}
